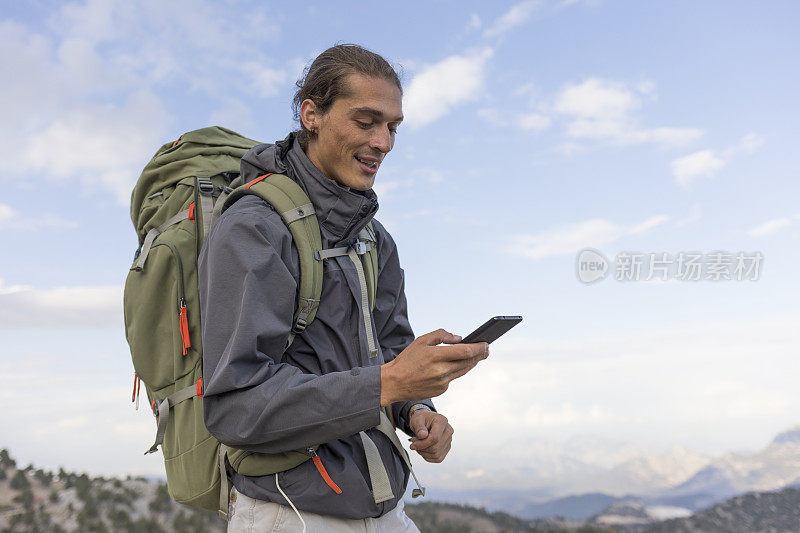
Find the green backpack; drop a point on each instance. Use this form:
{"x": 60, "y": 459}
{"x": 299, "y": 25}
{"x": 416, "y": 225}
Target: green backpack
{"x": 181, "y": 191}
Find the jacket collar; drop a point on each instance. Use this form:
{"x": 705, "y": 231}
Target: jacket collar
{"x": 341, "y": 213}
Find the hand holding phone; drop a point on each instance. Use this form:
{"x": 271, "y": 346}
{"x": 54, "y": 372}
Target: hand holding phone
{"x": 492, "y": 329}
{"x": 425, "y": 368}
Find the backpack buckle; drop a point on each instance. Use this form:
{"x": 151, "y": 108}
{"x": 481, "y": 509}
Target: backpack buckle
{"x": 360, "y": 247}
{"x": 205, "y": 185}
{"x": 299, "y": 325}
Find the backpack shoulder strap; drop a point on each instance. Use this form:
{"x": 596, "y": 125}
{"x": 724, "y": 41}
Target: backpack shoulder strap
{"x": 298, "y": 213}
{"x": 370, "y": 262}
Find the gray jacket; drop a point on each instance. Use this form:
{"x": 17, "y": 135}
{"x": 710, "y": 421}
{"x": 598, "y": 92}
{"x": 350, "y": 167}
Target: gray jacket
{"x": 325, "y": 388}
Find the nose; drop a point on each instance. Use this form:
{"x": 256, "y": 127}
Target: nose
{"x": 382, "y": 140}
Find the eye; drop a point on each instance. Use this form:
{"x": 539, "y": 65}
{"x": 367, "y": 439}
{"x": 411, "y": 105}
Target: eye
{"x": 363, "y": 125}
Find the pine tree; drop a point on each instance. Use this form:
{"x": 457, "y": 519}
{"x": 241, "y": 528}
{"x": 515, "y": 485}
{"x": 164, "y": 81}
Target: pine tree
{"x": 20, "y": 481}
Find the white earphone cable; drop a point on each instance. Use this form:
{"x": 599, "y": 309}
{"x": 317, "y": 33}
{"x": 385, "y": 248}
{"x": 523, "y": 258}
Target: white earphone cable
{"x": 290, "y": 503}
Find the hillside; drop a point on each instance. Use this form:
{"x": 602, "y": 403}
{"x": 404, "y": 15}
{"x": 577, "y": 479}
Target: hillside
{"x": 34, "y": 500}
{"x": 436, "y": 517}
{"x": 773, "y": 512}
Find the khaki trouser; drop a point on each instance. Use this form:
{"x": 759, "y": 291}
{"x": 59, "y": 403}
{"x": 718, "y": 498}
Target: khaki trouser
{"x": 258, "y": 516}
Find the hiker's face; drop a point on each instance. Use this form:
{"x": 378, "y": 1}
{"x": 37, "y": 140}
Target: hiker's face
{"x": 356, "y": 133}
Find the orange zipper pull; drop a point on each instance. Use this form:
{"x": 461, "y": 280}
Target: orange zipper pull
{"x": 136, "y": 387}
{"x": 184, "y": 328}
{"x": 322, "y": 471}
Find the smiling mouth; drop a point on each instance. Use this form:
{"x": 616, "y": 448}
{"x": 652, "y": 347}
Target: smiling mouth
{"x": 369, "y": 164}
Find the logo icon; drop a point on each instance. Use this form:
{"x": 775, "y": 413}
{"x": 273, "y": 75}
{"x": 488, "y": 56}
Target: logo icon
{"x": 591, "y": 265}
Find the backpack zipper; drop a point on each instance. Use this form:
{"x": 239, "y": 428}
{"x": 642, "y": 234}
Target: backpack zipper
{"x": 321, "y": 469}
{"x": 183, "y": 320}
{"x": 183, "y": 326}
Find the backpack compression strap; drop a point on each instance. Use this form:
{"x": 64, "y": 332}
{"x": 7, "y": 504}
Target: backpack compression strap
{"x": 298, "y": 213}
{"x": 364, "y": 256}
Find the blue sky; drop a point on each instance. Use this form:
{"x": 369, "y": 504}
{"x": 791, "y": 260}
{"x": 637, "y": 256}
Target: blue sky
{"x": 533, "y": 130}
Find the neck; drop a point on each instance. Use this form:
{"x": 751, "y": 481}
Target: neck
{"x": 312, "y": 155}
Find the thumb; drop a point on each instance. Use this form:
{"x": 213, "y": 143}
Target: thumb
{"x": 419, "y": 427}
{"x": 437, "y": 337}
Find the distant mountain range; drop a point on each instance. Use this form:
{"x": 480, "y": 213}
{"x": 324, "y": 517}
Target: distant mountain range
{"x": 774, "y": 467}
{"x": 681, "y": 480}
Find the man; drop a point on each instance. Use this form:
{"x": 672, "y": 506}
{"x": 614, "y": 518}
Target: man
{"x": 327, "y": 387}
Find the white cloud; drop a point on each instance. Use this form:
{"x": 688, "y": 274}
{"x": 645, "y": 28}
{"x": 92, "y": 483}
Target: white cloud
{"x": 524, "y": 89}
{"x": 6, "y": 214}
{"x": 590, "y": 3}
{"x": 100, "y": 145}
{"x": 383, "y": 188}
{"x": 769, "y": 227}
{"x": 566, "y": 240}
{"x": 517, "y": 15}
{"x": 86, "y": 90}
{"x": 265, "y": 81}
{"x": 667, "y": 136}
{"x": 386, "y": 188}
{"x": 233, "y": 114}
{"x": 60, "y": 306}
{"x": 597, "y": 99}
{"x": 606, "y": 110}
{"x": 534, "y": 122}
{"x": 747, "y": 145}
{"x": 474, "y": 22}
{"x": 707, "y": 163}
{"x": 595, "y": 109}
{"x": 571, "y": 238}
{"x": 136, "y": 37}
{"x": 13, "y": 220}
{"x": 649, "y": 224}
{"x": 702, "y": 164}
{"x": 431, "y": 175}
{"x": 440, "y": 87}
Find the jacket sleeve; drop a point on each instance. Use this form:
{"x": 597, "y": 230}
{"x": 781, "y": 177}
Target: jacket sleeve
{"x": 391, "y": 315}
{"x": 251, "y": 400}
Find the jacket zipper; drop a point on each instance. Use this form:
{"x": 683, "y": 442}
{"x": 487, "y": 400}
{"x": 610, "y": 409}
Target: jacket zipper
{"x": 183, "y": 319}
{"x": 322, "y": 471}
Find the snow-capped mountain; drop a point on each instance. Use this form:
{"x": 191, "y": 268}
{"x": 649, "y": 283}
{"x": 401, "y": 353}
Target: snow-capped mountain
{"x": 647, "y": 473}
{"x": 580, "y": 478}
{"x": 774, "y": 467}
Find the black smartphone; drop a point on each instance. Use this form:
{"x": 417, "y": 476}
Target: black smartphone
{"x": 492, "y": 329}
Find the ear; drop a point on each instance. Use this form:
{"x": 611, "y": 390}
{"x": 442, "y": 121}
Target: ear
{"x": 309, "y": 115}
